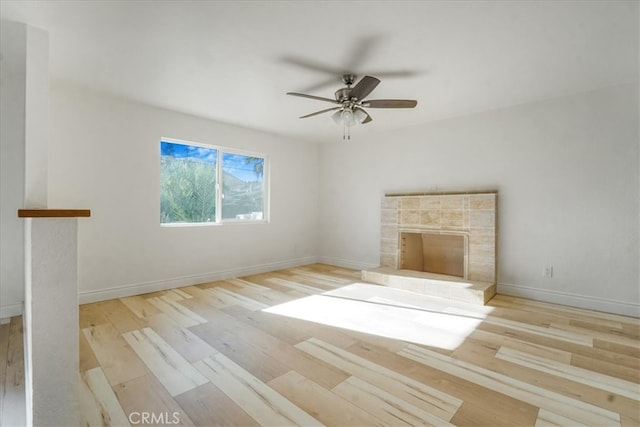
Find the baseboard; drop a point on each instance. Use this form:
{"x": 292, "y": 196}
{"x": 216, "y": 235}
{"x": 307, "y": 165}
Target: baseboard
{"x": 339, "y": 262}
{"x": 11, "y": 310}
{"x": 161, "y": 285}
{"x": 581, "y": 301}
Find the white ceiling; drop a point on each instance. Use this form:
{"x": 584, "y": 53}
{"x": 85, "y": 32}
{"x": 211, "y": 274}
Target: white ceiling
{"x": 234, "y": 61}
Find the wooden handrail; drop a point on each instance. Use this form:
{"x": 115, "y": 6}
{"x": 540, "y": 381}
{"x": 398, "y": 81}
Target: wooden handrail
{"x": 53, "y": 213}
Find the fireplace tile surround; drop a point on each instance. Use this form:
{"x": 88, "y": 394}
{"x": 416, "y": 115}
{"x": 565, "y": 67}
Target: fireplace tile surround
{"x": 472, "y": 215}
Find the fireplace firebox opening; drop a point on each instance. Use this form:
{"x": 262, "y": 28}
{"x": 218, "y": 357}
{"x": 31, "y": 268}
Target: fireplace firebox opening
{"x": 433, "y": 253}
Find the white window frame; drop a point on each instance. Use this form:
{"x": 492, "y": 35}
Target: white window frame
{"x": 219, "y": 194}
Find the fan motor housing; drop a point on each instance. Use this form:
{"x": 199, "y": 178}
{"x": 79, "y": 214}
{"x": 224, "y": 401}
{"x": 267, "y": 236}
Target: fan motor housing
{"x": 343, "y": 94}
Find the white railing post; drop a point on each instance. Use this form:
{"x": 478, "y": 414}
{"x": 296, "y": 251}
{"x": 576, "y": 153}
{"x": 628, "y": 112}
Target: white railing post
{"x": 51, "y": 316}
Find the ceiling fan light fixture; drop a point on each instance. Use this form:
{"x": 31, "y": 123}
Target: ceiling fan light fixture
{"x": 337, "y": 117}
{"x": 347, "y": 117}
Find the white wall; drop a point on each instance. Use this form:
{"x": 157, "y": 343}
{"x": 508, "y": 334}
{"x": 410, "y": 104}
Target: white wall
{"x": 37, "y": 119}
{"x": 24, "y": 80}
{"x": 12, "y": 122}
{"x": 104, "y": 155}
{"x": 567, "y": 175}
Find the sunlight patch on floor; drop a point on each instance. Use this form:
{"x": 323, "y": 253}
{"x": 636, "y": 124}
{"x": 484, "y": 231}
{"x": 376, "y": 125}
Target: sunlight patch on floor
{"x": 387, "y": 312}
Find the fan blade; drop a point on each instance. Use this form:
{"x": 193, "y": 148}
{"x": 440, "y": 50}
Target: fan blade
{"x": 319, "y": 98}
{"x": 323, "y": 84}
{"x": 390, "y": 103}
{"x": 396, "y": 74}
{"x": 320, "y": 112}
{"x": 364, "y": 87}
{"x": 310, "y": 64}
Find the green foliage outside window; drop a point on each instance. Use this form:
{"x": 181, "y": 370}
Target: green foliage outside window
{"x": 187, "y": 190}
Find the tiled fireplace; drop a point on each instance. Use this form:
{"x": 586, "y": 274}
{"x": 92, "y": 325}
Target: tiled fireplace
{"x": 443, "y": 236}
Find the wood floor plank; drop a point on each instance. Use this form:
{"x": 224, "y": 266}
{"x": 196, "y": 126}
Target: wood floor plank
{"x": 13, "y": 399}
{"x": 249, "y": 285}
{"x": 327, "y": 407}
{"x": 91, "y": 315}
{"x": 195, "y": 290}
{"x": 603, "y": 354}
{"x": 147, "y": 395}
{"x": 4, "y": 348}
{"x": 479, "y": 407}
{"x": 292, "y": 330}
{"x": 553, "y": 402}
{"x": 626, "y": 348}
{"x": 305, "y": 289}
{"x": 631, "y": 330}
{"x": 140, "y": 306}
{"x": 289, "y": 356}
{"x": 178, "y": 294}
{"x": 120, "y": 316}
{"x": 118, "y": 361}
{"x": 443, "y": 405}
{"x": 570, "y": 312}
{"x": 228, "y": 337}
{"x": 268, "y": 297}
{"x": 172, "y": 370}
{"x": 232, "y": 298}
{"x": 482, "y": 410}
{"x": 316, "y": 281}
{"x": 262, "y": 280}
{"x": 484, "y": 357}
{"x": 616, "y": 328}
{"x": 627, "y": 421}
{"x": 497, "y": 340}
{"x": 99, "y": 405}
{"x": 391, "y": 409}
{"x": 584, "y": 376}
{"x": 179, "y": 313}
{"x": 549, "y": 419}
{"x": 308, "y": 272}
{"x": 204, "y": 306}
{"x": 207, "y": 405}
{"x": 88, "y": 359}
{"x": 550, "y": 332}
{"x": 185, "y": 342}
{"x": 607, "y": 368}
{"x": 261, "y": 402}
{"x": 345, "y": 273}
{"x": 616, "y": 337}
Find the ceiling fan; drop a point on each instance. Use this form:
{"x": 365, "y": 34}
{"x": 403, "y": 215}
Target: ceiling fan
{"x": 351, "y": 103}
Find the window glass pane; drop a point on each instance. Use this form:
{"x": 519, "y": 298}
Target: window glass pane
{"x": 242, "y": 183}
{"x": 187, "y": 183}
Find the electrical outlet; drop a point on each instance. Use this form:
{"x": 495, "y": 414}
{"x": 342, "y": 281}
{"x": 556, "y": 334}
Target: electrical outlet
{"x": 547, "y": 271}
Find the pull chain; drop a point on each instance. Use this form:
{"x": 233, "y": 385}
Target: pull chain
{"x": 346, "y": 132}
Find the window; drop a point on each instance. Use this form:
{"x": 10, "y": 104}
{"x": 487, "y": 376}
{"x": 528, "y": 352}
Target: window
{"x": 203, "y": 184}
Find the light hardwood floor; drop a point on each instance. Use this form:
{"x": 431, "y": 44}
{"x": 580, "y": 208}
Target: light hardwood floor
{"x": 315, "y": 346}
{"x": 12, "y": 401}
